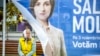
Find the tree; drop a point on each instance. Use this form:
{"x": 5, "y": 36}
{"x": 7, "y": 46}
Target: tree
{"x": 10, "y": 13}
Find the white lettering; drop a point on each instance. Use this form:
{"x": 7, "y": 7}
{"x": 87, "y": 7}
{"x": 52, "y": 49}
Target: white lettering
{"x": 94, "y": 8}
{"x": 78, "y": 26}
{"x": 86, "y": 44}
{"x": 90, "y": 24}
{"x": 78, "y": 10}
{"x": 98, "y": 24}
{"x": 86, "y": 7}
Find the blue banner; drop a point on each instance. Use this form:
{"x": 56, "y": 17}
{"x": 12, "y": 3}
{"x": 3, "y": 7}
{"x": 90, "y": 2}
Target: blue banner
{"x": 80, "y": 21}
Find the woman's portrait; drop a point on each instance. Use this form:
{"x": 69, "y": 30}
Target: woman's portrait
{"x": 42, "y": 11}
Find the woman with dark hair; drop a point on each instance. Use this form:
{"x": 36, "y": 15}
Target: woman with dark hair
{"x": 42, "y": 10}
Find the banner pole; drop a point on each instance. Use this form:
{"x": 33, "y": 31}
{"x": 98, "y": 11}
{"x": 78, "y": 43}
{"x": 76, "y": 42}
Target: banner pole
{"x": 4, "y": 26}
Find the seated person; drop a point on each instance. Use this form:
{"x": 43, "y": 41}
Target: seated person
{"x": 27, "y": 44}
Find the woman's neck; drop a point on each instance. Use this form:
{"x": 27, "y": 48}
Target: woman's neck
{"x": 44, "y": 23}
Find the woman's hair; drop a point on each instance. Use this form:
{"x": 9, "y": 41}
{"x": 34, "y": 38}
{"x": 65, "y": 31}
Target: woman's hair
{"x": 24, "y": 33}
{"x": 33, "y": 2}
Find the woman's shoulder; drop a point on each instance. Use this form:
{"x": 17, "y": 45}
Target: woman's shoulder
{"x": 57, "y": 29}
{"x": 21, "y": 38}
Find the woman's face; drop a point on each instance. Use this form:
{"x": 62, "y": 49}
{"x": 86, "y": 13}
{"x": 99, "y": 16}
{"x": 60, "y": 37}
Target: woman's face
{"x": 42, "y": 9}
{"x": 28, "y": 33}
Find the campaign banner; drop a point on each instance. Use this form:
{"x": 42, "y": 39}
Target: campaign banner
{"x": 80, "y": 22}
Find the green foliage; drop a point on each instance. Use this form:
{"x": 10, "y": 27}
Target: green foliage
{"x": 11, "y": 11}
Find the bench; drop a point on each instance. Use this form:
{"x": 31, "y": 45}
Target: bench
{"x": 12, "y": 45}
